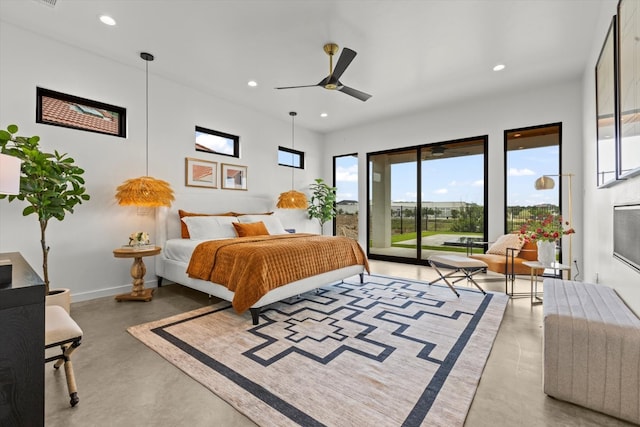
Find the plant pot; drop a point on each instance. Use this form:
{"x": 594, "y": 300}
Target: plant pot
{"x": 546, "y": 252}
{"x": 61, "y": 297}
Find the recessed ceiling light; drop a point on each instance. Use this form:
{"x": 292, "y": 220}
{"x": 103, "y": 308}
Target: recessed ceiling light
{"x": 499, "y": 67}
{"x": 517, "y": 135}
{"x": 107, "y": 20}
{"x": 252, "y": 83}
{"x": 323, "y": 114}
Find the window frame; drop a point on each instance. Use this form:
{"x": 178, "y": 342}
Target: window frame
{"x": 293, "y": 152}
{"x": 121, "y": 112}
{"x": 234, "y": 138}
{"x": 559, "y": 181}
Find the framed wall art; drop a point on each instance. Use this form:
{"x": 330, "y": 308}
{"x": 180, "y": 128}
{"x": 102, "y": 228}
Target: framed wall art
{"x": 60, "y": 109}
{"x": 201, "y": 173}
{"x": 234, "y": 177}
{"x": 606, "y": 109}
{"x": 628, "y": 23}
{"x": 212, "y": 141}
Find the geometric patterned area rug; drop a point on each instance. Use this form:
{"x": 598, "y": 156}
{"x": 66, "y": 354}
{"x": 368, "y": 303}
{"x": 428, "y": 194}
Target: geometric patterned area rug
{"x": 388, "y": 352}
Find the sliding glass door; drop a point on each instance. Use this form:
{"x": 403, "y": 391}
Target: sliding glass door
{"x": 392, "y": 204}
{"x": 453, "y": 189}
{"x": 426, "y": 199}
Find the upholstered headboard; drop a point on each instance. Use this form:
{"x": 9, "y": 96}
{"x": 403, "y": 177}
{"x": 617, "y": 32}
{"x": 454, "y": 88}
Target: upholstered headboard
{"x": 168, "y": 220}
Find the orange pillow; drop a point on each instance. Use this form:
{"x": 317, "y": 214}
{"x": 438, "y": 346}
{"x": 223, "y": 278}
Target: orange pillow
{"x": 251, "y": 229}
{"x": 184, "y": 231}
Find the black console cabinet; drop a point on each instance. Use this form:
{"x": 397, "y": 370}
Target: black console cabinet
{"x": 21, "y": 346}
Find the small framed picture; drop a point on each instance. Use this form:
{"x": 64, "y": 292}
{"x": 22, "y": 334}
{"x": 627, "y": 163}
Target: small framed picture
{"x": 60, "y": 109}
{"x": 234, "y": 177}
{"x": 201, "y": 173}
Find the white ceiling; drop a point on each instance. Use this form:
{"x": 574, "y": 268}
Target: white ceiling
{"x": 411, "y": 54}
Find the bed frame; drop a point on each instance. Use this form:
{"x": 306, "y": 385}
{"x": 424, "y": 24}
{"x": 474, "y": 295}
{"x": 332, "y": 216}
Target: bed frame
{"x": 168, "y": 227}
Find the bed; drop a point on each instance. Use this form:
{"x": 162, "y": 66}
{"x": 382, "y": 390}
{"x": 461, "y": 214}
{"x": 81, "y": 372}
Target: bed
{"x": 215, "y": 234}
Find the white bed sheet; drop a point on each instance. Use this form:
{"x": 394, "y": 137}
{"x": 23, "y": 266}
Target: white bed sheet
{"x": 180, "y": 249}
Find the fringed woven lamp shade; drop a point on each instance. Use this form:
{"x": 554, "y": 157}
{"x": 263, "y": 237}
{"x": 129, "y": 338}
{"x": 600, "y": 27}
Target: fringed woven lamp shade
{"x": 292, "y": 200}
{"x": 145, "y": 192}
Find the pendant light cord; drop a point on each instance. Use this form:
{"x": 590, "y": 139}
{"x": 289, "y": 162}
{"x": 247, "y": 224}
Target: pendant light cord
{"x": 147, "y": 57}
{"x": 293, "y": 144}
{"x": 146, "y": 129}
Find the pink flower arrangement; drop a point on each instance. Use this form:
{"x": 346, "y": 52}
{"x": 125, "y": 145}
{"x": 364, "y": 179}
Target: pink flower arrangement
{"x": 546, "y": 228}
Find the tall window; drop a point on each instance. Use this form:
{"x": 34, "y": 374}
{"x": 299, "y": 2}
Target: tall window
{"x": 345, "y": 179}
{"x": 530, "y": 153}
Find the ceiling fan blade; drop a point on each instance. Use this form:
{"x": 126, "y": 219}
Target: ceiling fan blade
{"x": 355, "y": 93}
{"x": 345, "y": 59}
{"x": 295, "y": 87}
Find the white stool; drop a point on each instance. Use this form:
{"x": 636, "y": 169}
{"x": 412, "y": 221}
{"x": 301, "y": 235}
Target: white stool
{"x": 466, "y": 267}
{"x": 61, "y": 330}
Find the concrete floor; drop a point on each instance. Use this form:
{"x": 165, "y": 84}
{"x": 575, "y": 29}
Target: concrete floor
{"x": 123, "y": 383}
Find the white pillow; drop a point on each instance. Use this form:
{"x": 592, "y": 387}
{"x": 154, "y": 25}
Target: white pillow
{"x": 210, "y": 227}
{"x": 272, "y": 222}
{"x": 499, "y": 247}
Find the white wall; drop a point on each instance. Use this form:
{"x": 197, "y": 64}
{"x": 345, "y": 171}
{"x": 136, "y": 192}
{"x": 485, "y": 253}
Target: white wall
{"x": 599, "y": 263}
{"x": 490, "y": 115}
{"x": 81, "y": 256}
{"x": 81, "y": 246}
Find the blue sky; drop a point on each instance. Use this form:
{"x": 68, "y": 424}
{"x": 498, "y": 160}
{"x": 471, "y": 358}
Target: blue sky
{"x": 461, "y": 179}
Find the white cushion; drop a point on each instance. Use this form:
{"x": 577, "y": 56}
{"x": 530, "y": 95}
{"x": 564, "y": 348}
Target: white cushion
{"x": 457, "y": 261}
{"x": 499, "y": 247}
{"x": 210, "y": 227}
{"x": 272, "y": 222}
{"x": 59, "y": 326}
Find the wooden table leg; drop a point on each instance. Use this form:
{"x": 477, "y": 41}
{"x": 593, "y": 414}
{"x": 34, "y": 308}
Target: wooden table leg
{"x": 139, "y": 292}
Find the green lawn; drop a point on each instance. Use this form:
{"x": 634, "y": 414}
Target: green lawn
{"x": 408, "y": 236}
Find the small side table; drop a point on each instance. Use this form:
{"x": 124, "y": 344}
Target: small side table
{"x": 557, "y": 269}
{"x": 138, "y": 270}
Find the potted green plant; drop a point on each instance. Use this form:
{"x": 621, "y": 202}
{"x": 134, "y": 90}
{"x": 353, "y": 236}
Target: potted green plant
{"x": 323, "y": 202}
{"x": 50, "y": 183}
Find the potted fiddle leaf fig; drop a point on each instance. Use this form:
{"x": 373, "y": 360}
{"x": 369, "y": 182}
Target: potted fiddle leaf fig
{"x": 323, "y": 202}
{"x": 50, "y": 183}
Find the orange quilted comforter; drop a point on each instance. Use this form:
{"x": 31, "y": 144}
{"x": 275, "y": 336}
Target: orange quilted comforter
{"x": 252, "y": 266}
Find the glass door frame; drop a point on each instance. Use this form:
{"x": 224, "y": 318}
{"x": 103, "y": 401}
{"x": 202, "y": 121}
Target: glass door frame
{"x": 335, "y": 184}
{"x": 419, "y": 150}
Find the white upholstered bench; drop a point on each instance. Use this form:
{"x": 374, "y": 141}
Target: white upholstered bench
{"x": 591, "y": 348}
{"x": 462, "y": 268}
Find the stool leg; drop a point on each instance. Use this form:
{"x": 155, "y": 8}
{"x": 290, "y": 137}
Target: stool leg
{"x": 469, "y": 275}
{"x": 68, "y": 371}
{"x": 444, "y": 277}
{"x": 71, "y": 383}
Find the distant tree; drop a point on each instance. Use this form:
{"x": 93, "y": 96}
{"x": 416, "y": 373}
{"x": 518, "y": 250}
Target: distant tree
{"x": 469, "y": 219}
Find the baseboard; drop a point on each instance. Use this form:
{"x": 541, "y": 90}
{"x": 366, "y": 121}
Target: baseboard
{"x": 107, "y": 292}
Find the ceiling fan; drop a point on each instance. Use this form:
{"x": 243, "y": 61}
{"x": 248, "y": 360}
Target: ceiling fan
{"x": 332, "y": 81}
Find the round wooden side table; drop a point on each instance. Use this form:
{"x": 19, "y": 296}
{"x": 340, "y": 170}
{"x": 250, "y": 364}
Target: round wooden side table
{"x": 138, "y": 270}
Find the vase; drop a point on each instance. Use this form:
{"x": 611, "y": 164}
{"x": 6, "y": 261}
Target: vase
{"x": 546, "y": 252}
